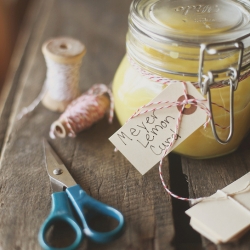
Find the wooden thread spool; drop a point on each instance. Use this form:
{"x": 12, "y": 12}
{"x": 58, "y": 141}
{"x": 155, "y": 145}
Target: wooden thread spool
{"x": 83, "y": 112}
{"x": 63, "y": 57}
{"x": 63, "y": 127}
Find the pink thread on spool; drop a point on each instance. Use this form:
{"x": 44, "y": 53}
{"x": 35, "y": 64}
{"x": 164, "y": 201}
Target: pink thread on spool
{"x": 83, "y": 112}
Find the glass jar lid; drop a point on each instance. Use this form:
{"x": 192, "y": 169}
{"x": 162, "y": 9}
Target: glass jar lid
{"x": 192, "y": 20}
{"x": 207, "y": 41}
{"x": 167, "y": 35}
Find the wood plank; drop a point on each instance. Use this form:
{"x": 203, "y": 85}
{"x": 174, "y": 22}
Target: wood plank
{"x": 15, "y": 68}
{"x": 205, "y": 177}
{"x": 24, "y": 185}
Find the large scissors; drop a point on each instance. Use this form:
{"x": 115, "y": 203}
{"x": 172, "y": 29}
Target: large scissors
{"x": 73, "y": 200}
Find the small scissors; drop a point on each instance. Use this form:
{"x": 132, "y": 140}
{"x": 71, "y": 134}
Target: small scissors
{"x": 73, "y": 196}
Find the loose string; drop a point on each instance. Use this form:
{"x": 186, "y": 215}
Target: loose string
{"x": 200, "y": 104}
{"x": 224, "y": 196}
{"x": 34, "y": 104}
{"x": 166, "y": 81}
{"x": 172, "y": 142}
{"x": 182, "y": 104}
{"x": 61, "y": 83}
{"x": 85, "y": 111}
{"x": 196, "y": 102}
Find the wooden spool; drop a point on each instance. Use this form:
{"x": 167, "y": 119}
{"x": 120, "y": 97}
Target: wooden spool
{"x": 61, "y": 128}
{"x": 62, "y": 50}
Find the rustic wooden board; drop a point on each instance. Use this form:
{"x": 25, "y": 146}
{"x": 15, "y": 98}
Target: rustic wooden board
{"x": 15, "y": 69}
{"x": 205, "y": 177}
{"x": 107, "y": 176}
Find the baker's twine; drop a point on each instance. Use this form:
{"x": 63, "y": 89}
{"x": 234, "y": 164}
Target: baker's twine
{"x": 61, "y": 83}
{"x": 182, "y": 104}
{"x": 27, "y": 110}
{"x": 62, "y": 80}
{"x": 166, "y": 81}
{"x": 86, "y": 110}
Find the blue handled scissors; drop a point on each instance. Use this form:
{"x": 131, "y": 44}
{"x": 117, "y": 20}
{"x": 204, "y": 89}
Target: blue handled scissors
{"x": 73, "y": 196}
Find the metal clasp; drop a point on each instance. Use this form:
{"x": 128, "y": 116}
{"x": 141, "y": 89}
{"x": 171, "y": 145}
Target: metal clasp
{"x": 232, "y": 72}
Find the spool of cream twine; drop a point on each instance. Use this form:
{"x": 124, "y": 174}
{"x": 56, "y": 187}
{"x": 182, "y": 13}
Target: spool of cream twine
{"x": 63, "y": 58}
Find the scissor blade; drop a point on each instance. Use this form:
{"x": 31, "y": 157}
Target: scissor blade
{"x": 58, "y": 173}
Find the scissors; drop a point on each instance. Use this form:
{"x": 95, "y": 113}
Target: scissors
{"x": 73, "y": 200}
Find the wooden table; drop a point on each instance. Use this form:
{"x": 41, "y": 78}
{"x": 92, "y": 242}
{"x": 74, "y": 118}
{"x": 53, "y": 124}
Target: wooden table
{"x": 153, "y": 219}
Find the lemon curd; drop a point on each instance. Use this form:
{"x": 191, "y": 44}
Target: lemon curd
{"x": 164, "y": 38}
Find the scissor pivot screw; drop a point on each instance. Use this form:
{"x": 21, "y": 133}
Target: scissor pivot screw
{"x": 57, "y": 171}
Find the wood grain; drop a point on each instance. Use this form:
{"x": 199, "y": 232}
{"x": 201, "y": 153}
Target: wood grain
{"x": 205, "y": 177}
{"x": 16, "y": 67}
{"x": 107, "y": 176}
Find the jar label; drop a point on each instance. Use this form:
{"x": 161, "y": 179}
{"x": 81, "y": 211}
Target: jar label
{"x": 144, "y": 139}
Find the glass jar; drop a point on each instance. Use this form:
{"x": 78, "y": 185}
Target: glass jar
{"x": 200, "y": 41}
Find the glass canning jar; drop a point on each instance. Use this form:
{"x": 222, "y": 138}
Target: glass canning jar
{"x": 204, "y": 42}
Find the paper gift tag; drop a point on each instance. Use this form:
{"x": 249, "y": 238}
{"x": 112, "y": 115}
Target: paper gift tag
{"x": 143, "y": 139}
{"x": 224, "y": 219}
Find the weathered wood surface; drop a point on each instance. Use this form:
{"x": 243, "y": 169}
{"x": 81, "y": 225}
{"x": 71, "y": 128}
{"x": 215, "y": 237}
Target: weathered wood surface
{"x": 205, "y": 177}
{"x": 24, "y": 185}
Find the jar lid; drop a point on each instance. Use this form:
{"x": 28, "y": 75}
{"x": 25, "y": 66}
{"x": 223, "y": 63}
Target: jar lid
{"x": 207, "y": 41}
{"x": 193, "y": 21}
{"x": 167, "y": 35}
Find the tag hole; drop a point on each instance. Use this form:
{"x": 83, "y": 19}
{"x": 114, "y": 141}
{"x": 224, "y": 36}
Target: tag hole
{"x": 187, "y": 106}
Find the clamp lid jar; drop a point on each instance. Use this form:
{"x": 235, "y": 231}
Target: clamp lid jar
{"x": 204, "y": 42}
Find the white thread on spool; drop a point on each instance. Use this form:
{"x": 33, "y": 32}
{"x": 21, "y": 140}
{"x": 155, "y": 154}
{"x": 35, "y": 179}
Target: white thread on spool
{"x": 63, "y": 57}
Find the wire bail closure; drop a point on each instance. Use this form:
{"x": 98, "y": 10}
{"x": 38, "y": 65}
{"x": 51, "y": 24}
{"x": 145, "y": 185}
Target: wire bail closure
{"x": 205, "y": 80}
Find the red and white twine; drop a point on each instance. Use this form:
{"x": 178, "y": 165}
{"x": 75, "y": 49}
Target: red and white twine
{"x": 168, "y": 104}
{"x": 166, "y": 81}
{"x": 182, "y": 104}
{"x": 61, "y": 83}
{"x": 85, "y": 110}
{"x": 62, "y": 79}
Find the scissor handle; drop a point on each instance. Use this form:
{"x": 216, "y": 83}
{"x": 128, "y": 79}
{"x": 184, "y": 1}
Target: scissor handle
{"x": 82, "y": 201}
{"x": 60, "y": 212}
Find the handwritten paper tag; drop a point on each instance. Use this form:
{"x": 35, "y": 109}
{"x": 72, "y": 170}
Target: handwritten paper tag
{"x": 143, "y": 139}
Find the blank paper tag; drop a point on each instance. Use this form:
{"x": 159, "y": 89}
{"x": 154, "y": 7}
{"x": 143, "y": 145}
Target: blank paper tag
{"x": 224, "y": 219}
{"x": 143, "y": 139}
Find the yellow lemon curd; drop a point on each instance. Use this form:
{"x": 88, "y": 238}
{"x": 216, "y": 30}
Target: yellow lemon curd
{"x": 132, "y": 90}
